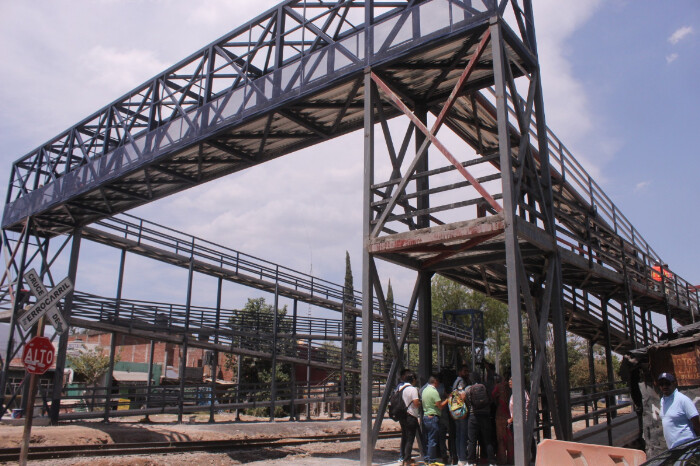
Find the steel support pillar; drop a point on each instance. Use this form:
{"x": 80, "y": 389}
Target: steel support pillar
{"x": 113, "y": 340}
{"x": 185, "y": 341}
{"x": 592, "y": 380}
{"x": 292, "y": 402}
{"x": 308, "y": 380}
{"x": 425, "y": 317}
{"x": 521, "y": 445}
{"x": 273, "y": 371}
{"x": 239, "y": 366}
{"x": 343, "y": 344}
{"x": 366, "y": 376}
{"x": 609, "y": 366}
{"x": 215, "y": 352}
{"x": 63, "y": 339}
{"x": 149, "y": 384}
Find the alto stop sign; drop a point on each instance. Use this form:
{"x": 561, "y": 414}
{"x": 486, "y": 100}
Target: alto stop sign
{"x": 38, "y": 355}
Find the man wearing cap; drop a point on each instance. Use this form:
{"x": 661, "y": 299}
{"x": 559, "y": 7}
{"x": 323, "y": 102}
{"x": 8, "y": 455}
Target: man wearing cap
{"x": 679, "y": 416}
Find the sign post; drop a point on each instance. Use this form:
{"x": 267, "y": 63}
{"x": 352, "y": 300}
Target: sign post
{"x": 46, "y": 302}
{"x": 39, "y": 353}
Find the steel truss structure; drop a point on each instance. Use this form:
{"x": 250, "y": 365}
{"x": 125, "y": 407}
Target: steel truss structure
{"x": 498, "y": 204}
{"x": 219, "y": 330}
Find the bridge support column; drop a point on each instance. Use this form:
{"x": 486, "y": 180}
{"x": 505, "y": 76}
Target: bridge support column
{"x": 608, "y": 364}
{"x": 63, "y": 340}
{"x": 185, "y": 340}
{"x": 273, "y": 371}
{"x": 343, "y": 349}
{"x": 113, "y": 340}
{"x": 425, "y": 315}
{"x": 366, "y": 377}
{"x": 215, "y": 353}
{"x": 591, "y": 380}
{"x": 149, "y": 384}
{"x": 292, "y": 402}
{"x": 669, "y": 320}
{"x": 522, "y": 444}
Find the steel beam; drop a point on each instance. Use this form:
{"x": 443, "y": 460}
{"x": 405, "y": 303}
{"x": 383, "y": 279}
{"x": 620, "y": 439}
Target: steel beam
{"x": 113, "y": 340}
{"x": 366, "y": 440}
{"x": 215, "y": 352}
{"x": 185, "y": 341}
{"x": 522, "y": 445}
{"x": 63, "y": 339}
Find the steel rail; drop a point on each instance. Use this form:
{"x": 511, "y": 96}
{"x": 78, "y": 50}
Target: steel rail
{"x": 151, "y": 448}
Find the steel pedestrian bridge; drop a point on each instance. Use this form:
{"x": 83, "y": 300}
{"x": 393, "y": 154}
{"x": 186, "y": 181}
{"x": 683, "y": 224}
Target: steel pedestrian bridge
{"x": 514, "y": 216}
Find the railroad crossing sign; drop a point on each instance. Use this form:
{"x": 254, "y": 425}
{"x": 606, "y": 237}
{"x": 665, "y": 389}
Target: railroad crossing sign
{"x": 38, "y": 355}
{"x": 46, "y": 302}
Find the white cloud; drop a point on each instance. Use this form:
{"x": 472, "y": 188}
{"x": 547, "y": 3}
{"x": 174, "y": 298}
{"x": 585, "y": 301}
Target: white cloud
{"x": 680, "y": 34}
{"x": 671, "y": 58}
{"x": 567, "y": 105}
{"x": 641, "y": 186}
{"x": 116, "y": 71}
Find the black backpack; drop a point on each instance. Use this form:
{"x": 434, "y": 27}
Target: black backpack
{"x": 397, "y": 407}
{"x": 478, "y": 396}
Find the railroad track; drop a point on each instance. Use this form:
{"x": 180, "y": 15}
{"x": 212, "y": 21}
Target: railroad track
{"x": 151, "y": 448}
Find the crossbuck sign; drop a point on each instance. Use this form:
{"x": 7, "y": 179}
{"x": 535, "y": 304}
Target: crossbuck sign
{"x": 46, "y": 302}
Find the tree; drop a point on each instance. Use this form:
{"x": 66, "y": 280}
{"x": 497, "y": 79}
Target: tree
{"x": 89, "y": 365}
{"x": 253, "y": 322}
{"x": 386, "y": 346}
{"x": 349, "y": 288}
{"x": 579, "y": 370}
{"x": 353, "y": 380}
{"x": 350, "y": 319}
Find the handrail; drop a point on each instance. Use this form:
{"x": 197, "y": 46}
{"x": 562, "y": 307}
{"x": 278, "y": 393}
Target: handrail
{"x": 244, "y": 265}
{"x": 633, "y": 254}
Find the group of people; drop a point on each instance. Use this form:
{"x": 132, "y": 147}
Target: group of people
{"x": 489, "y": 424}
{"x": 485, "y": 428}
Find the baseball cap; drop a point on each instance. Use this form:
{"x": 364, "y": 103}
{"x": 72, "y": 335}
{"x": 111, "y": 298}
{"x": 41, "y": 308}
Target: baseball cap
{"x": 666, "y": 376}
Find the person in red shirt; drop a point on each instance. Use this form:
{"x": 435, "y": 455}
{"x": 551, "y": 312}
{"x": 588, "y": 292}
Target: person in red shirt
{"x": 504, "y": 437}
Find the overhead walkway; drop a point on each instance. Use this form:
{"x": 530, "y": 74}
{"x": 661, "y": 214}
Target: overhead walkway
{"x": 161, "y": 243}
{"x": 532, "y": 228}
{"x": 288, "y": 79}
{"x": 175, "y": 132}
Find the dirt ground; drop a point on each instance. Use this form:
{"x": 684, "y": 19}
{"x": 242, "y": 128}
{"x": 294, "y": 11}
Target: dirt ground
{"x": 195, "y": 427}
{"x": 164, "y": 427}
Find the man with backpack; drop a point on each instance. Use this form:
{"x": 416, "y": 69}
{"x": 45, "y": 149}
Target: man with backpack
{"x": 479, "y": 422}
{"x": 405, "y": 408}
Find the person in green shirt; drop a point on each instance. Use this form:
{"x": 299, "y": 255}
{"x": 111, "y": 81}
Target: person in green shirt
{"x": 432, "y": 407}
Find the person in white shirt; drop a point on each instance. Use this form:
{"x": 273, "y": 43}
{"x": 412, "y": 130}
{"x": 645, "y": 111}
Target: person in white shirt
{"x": 679, "y": 416}
{"x": 409, "y": 423}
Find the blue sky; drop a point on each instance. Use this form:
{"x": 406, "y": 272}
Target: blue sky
{"x": 620, "y": 86}
{"x": 642, "y": 85}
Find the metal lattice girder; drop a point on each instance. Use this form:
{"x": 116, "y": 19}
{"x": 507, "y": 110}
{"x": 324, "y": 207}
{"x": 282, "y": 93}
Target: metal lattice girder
{"x": 286, "y": 80}
{"x": 29, "y": 250}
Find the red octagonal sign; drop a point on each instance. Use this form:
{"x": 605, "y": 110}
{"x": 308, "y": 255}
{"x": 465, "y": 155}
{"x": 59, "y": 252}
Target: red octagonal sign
{"x": 38, "y": 355}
